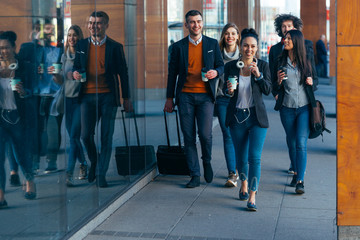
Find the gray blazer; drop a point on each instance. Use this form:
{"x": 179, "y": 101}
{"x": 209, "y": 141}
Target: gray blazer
{"x": 262, "y": 86}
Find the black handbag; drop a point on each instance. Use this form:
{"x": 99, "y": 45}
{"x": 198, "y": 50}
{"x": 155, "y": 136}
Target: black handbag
{"x": 317, "y": 121}
{"x": 171, "y": 160}
{"x": 132, "y": 160}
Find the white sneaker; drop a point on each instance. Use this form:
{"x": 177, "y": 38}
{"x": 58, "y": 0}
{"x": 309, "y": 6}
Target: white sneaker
{"x": 232, "y": 180}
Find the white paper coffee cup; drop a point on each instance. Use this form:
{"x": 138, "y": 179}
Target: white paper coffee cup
{"x": 57, "y": 68}
{"x": 13, "y": 83}
{"x": 203, "y": 77}
{"x": 233, "y": 81}
{"x": 83, "y": 77}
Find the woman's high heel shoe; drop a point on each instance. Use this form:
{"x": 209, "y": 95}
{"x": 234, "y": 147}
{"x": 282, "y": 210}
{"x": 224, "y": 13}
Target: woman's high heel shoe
{"x": 251, "y": 206}
{"x": 243, "y": 196}
{"x": 31, "y": 195}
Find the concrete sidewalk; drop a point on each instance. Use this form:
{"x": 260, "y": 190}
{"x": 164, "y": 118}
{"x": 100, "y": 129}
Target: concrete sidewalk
{"x": 165, "y": 209}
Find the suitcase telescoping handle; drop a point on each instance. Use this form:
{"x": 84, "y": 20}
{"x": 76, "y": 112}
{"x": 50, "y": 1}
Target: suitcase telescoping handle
{"x": 136, "y": 128}
{"x": 177, "y": 128}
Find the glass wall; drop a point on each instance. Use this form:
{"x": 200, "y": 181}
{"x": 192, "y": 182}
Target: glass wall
{"x": 175, "y": 9}
{"x": 268, "y": 11}
{"x": 66, "y": 148}
{"x": 215, "y": 17}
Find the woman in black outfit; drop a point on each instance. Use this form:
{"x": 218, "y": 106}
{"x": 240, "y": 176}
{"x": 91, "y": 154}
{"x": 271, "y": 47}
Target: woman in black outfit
{"x": 12, "y": 119}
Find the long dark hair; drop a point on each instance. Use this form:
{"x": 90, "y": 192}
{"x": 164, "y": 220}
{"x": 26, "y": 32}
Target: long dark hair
{"x": 299, "y": 53}
{"x": 222, "y": 43}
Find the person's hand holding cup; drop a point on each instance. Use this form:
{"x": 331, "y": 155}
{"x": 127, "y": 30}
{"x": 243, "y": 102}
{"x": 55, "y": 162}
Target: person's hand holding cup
{"x": 203, "y": 73}
{"x": 282, "y": 74}
{"x": 83, "y": 77}
{"x": 16, "y": 85}
{"x": 56, "y": 68}
{"x": 232, "y": 84}
{"x": 14, "y": 82}
{"x": 79, "y": 76}
{"x": 41, "y": 68}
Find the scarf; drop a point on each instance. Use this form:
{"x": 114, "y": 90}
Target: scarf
{"x": 227, "y": 57}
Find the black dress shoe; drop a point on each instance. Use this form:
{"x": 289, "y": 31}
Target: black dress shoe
{"x": 208, "y": 172}
{"x": 101, "y": 182}
{"x": 194, "y": 182}
{"x": 3, "y": 204}
{"x": 91, "y": 176}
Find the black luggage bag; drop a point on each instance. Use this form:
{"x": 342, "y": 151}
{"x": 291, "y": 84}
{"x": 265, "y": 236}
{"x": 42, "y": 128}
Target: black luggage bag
{"x": 171, "y": 160}
{"x": 132, "y": 160}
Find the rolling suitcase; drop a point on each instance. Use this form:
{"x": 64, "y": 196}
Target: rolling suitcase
{"x": 131, "y": 160}
{"x": 171, "y": 160}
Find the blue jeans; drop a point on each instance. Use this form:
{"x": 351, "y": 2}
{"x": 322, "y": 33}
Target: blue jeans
{"x": 73, "y": 127}
{"x": 196, "y": 108}
{"x": 248, "y": 138}
{"x": 49, "y": 130}
{"x": 229, "y": 151}
{"x": 96, "y": 107}
{"x": 17, "y": 135}
{"x": 11, "y": 157}
{"x": 296, "y": 124}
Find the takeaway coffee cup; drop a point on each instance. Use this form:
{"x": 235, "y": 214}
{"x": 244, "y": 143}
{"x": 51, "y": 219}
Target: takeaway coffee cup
{"x": 57, "y": 68}
{"x": 284, "y": 69}
{"x": 233, "y": 81}
{"x": 83, "y": 77}
{"x": 41, "y": 68}
{"x": 203, "y": 72}
{"x": 13, "y": 83}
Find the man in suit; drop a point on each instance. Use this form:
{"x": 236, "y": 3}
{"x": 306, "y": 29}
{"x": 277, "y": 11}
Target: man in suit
{"x": 195, "y": 98}
{"x": 284, "y": 23}
{"x": 321, "y": 55}
{"x": 100, "y": 61}
{"x": 37, "y": 56}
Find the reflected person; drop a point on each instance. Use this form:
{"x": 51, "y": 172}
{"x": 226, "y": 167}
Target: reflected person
{"x": 13, "y": 95}
{"x": 39, "y": 55}
{"x": 72, "y": 105}
{"x": 99, "y": 62}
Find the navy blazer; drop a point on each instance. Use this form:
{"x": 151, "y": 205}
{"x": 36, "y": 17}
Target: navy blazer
{"x": 32, "y": 54}
{"x": 259, "y": 87}
{"x": 115, "y": 66}
{"x": 179, "y": 61}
